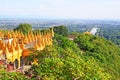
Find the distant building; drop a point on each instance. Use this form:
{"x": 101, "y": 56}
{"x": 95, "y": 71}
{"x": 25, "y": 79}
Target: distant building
{"x": 71, "y": 37}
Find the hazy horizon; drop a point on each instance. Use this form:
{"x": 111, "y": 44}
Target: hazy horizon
{"x": 61, "y": 9}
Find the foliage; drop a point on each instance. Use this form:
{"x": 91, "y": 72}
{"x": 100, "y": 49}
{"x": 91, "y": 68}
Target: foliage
{"x": 103, "y": 51}
{"x": 61, "y": 30}
{"x": 63, "y": 61}
{"x": 68, "y": 69}
{"x": 25, "y": 28}
{"x": 111, "y": 33}
{"x": 4, "y": 75}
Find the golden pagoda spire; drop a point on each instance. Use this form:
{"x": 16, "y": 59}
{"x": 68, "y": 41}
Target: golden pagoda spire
{"x": 32, "y": 38}
{"x": 6, "y": 50}
{"x": 1, "y": 44}
{"x": 29, "y": 39}
{"x": 14, "y": 42}
{"x": 12, "y": 49}
{"x": 19, "y": 35}
{"x": 25, "y": 40}
{"x": 1, "y": 52}
{"x": 35, "y": 37}
{"x": 8, "y": 45}
{"x": 3, "y": 49}
{"x": 9, "y": 35}
{"x": 42, "y": 43}
{"x": 22, "y": 46}
{"x": 22, "y": 35}
{"x": 36, "y": 46}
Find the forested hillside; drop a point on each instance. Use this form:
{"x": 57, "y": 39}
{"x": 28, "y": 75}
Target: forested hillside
{"x": 111, "y": 33}
{"x": 66, "y": 61}
{"x": 87, "y": 57}
{"x": 103, "y": 51}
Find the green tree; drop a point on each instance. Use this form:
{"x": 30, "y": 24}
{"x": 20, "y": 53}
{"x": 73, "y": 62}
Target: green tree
{"x": 25, "y": 28}
{"x": 61, "y": 30}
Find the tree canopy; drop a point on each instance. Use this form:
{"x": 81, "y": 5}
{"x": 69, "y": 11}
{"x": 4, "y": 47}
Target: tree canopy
{"x": 25, "y": 28}
{"x": 106, "y": 53}
{"x": 61, "y": 30}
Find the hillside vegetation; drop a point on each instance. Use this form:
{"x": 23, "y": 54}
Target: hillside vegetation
{"x": 87, "y": 57}
{"x": 64, "y": 61}
{"x": 103, "y": 51}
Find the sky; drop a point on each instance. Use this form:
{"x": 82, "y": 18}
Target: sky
{"x": 60, "y": 9}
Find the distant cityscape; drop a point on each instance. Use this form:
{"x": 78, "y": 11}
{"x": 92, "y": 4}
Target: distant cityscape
{"x": 73, "y": 25}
